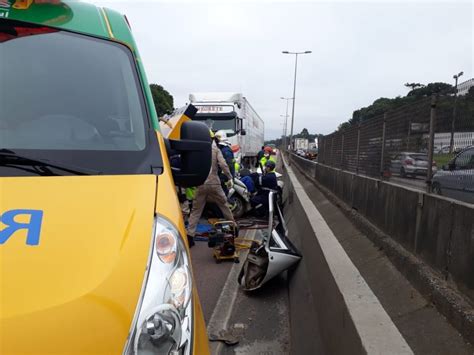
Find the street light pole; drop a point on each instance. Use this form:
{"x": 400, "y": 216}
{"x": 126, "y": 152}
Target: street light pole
{"x": 451, "y": 143}
{"x": 286, "y": 119}
{"x": 294, "y": 99}
{"x": 294, "y": 91}
{"x": 283, "y": 136}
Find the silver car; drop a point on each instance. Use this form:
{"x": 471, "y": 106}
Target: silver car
{"x": 456, "y": 180}
{"x": 410, "y": 164}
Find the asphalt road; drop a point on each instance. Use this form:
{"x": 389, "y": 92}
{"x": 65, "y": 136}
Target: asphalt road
{"x": 259, "y": 319}
{"x": 423, "y": 327}
{"x": 209, "y": 277}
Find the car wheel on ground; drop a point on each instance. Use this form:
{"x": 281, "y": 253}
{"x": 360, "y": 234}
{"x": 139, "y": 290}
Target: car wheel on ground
{"x": 237, "y": 208}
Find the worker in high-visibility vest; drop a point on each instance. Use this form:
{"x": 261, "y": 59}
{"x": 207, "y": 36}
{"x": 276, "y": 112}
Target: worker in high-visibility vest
{"x": 267, "y": 156}
{"x": 236, "y": 167}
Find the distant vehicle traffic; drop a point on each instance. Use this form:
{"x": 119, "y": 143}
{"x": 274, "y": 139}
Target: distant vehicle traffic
{"x": 311, "y": 154}
{"x": 456, "y": 180}
{"x": 300, "y": 152}
{"x": 233, "y": 114}
{"x": 411, "y": 164}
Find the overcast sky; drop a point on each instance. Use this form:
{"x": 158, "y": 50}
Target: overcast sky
{"x": 361, "y": 51}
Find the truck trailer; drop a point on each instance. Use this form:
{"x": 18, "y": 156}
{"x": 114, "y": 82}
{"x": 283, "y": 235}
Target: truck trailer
{"x": 301, "y": 143}
{"x": 233, "y": 114}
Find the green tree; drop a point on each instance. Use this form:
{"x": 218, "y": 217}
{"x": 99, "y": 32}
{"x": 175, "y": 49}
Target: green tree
{"x": 304, "y": 133}
{"x": 383, "y": 104}
{"x": 163, "y": 100}
{"x": 432, "y": 88}
{"x": 343, "y": 126}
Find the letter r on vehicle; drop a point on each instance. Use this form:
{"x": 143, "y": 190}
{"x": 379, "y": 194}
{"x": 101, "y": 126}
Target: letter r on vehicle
{"x": 33, "y": 227}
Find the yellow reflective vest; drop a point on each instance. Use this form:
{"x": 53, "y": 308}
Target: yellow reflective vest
{"x": 264, "y": 160}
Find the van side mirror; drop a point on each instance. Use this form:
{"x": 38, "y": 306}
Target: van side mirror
{"x": 243, "y": 132}
{"x": 191, "y": 155}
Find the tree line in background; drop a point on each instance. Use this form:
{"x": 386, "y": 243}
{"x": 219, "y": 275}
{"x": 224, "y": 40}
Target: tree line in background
{"x": 418, "y": 93}
{"x": 465, "y": 103}
{"x": 303, "y": 134}
{"x": 164, "y": 102}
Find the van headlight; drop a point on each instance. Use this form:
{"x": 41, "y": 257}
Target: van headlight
{"x": 163, "y": 320}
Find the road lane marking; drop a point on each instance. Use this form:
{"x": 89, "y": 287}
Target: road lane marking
{"x": 374, "y": 327}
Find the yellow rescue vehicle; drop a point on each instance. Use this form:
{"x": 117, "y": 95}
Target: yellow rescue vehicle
{"x": 93, "y": 251}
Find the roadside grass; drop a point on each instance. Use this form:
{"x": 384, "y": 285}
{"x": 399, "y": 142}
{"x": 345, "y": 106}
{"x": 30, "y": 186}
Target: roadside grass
{"x": 442, "y": 159}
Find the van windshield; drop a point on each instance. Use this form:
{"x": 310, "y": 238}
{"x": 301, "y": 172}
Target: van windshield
{"x": 71, "y": 98}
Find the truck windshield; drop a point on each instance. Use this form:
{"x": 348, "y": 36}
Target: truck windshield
{"x": 217, "y": 124}
{"x": 70, "y": 98}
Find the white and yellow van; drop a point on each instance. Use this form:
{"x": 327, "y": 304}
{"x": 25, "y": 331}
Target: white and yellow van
{"x": 93, "y": 254}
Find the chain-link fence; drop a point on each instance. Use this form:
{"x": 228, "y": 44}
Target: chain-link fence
{"x": 428, "y": 144}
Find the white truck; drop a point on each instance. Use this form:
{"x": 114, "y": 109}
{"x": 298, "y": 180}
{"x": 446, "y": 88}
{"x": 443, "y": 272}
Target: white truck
{"x": 232, "y": 113}
{"x": 301, "y": 143}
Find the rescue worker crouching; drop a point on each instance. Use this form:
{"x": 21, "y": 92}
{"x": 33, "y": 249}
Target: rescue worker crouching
{"x": 264, "y": 183}
{"x": 211, "y": 191}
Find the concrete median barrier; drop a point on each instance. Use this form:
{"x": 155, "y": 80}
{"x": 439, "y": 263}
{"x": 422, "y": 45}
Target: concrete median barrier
{"x": 328, "y": 296}
{"x": 429, "y": 238}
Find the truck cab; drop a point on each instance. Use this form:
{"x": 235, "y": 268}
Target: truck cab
{"x": 232, "y": 113}
{"x": 93, "y": 253}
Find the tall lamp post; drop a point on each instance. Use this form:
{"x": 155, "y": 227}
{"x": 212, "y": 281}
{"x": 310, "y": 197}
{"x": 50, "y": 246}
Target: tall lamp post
{"x": 283, "y": 141}
{"x": 451, "y": 143}
{"x": 283, "y": 134}
{"x": 286, "y": 119}
{"x": 294, "y": 91}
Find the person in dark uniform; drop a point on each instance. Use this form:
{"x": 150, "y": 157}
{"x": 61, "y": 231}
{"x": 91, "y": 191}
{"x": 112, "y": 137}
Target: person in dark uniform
{"x": 264, "y": 183}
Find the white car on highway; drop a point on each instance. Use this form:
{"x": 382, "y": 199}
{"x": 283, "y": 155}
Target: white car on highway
{"x": 300, "y": 152}
{"x": 411, "y": 164}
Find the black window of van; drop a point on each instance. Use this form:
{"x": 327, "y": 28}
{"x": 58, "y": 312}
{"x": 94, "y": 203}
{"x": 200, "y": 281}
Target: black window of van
{"x": 71, "y": 97}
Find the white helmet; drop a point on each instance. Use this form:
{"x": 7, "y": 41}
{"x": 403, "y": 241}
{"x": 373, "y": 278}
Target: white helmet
{"x": 222, "y": 137}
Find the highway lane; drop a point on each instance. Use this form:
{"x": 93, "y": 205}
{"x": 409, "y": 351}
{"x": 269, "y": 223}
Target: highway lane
{"x": 260, "y": 319}
{"x": 208, "y": 276}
